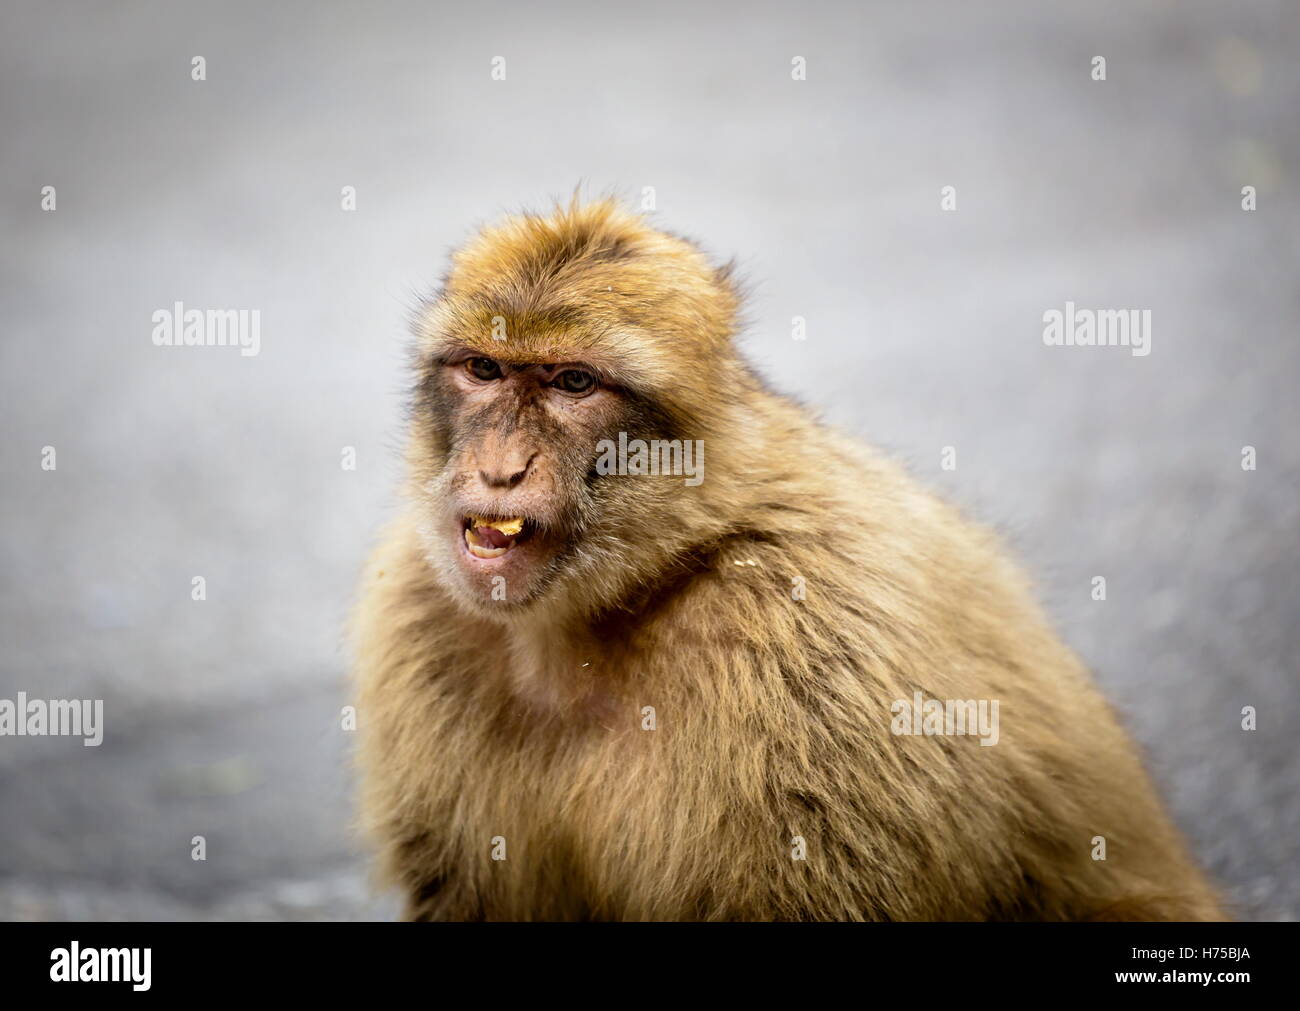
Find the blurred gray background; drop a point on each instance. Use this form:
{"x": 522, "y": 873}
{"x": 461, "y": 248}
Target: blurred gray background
{"x": 924, "y": 331}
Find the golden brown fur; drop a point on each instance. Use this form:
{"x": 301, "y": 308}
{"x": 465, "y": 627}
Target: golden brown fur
{"x": 523, "y": 719}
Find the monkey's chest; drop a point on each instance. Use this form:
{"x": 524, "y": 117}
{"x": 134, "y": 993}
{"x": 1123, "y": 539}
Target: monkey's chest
{"x": 562, "y": 833}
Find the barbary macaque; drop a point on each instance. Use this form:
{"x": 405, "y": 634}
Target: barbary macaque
{"x": 788, "y": 685}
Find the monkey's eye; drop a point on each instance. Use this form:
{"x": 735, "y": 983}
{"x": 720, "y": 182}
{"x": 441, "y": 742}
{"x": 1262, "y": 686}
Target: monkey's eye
{"x": 483, "y": 368}
{"x": 575, "y": 381}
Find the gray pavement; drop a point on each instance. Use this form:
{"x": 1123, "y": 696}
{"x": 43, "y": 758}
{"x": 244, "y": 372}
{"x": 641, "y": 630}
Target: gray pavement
{"x": 924, "y": 331}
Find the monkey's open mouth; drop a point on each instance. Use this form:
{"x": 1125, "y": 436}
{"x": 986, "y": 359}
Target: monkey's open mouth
{"x": 492, "y": 538}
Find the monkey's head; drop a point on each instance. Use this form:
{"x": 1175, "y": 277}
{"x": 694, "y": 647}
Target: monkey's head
{"x": 572, "y": 373}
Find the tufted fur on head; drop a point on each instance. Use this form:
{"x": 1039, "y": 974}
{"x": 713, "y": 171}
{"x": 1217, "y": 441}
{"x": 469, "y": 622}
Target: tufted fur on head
{"x": 689, "y": 709}
{"x": 597, "y": 283}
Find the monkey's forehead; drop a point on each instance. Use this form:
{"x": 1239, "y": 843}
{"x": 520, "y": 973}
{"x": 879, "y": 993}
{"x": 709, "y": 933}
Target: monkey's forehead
{"x": 618, "y": 348}
{"x": 619, "y": 323}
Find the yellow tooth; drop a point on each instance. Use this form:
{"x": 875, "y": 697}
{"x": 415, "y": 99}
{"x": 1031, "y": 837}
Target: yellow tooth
{"x": 508, "y": 527}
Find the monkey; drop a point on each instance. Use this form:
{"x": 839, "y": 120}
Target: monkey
{"x": 594, "y": 692}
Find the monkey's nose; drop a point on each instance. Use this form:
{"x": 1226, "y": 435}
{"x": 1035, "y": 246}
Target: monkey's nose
{"x": 503, "y": 477}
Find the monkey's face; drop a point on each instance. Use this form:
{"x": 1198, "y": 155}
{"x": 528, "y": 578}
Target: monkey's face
{"x": 513, "y": 500}
{"x": 553, "y": 340}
